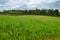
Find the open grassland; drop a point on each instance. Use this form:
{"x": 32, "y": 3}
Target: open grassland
{"x": 29, "y": 27}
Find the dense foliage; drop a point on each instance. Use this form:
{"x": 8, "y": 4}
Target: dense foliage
{"x": 48, "y": 12}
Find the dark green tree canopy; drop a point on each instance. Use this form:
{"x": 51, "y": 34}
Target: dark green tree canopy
{"x": 48, "y": 12}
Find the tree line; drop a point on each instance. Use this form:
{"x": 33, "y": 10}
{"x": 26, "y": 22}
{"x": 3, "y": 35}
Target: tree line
{"x": 47, "y": 12}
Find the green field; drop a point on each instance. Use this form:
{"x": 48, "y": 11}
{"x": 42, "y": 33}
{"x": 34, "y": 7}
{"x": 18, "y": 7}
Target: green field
{"x": 30, "y": 27}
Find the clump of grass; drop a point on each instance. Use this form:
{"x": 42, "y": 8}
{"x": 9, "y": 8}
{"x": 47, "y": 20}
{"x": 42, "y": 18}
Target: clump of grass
{"x": 29, "y": 27}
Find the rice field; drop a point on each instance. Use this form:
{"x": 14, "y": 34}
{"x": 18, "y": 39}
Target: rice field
{"x": 29, "y": 27}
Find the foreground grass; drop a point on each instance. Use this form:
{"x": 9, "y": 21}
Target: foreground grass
{"x": 29, "y": 28}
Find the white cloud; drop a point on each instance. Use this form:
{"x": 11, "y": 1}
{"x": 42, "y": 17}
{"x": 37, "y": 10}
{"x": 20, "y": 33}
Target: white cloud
{"x": 1, "y": 5}
{"x": 41, "y": 3}
{"x": 12, "y": 4}
{"x": 52, "y": 1}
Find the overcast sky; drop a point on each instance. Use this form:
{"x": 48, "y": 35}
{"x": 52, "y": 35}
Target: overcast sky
{"x": 29, "y": 4}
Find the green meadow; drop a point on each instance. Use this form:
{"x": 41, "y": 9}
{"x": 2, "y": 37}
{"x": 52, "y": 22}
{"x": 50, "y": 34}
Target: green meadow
{"x": 29, "y": 27}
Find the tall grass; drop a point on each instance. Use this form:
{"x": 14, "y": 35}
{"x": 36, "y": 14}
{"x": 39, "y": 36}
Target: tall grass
{"x": 29, "y": 27}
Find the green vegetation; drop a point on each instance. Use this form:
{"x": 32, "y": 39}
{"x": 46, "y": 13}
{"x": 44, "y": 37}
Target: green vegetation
{"x": 47, "y": 12}
{"x": 29, "y": 27}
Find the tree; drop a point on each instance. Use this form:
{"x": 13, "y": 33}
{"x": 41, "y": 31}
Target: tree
{"x": 56, "y": 12}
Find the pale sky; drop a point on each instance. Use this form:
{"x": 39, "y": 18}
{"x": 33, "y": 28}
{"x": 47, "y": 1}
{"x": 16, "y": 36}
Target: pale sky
{"x": 29, "y": 4}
